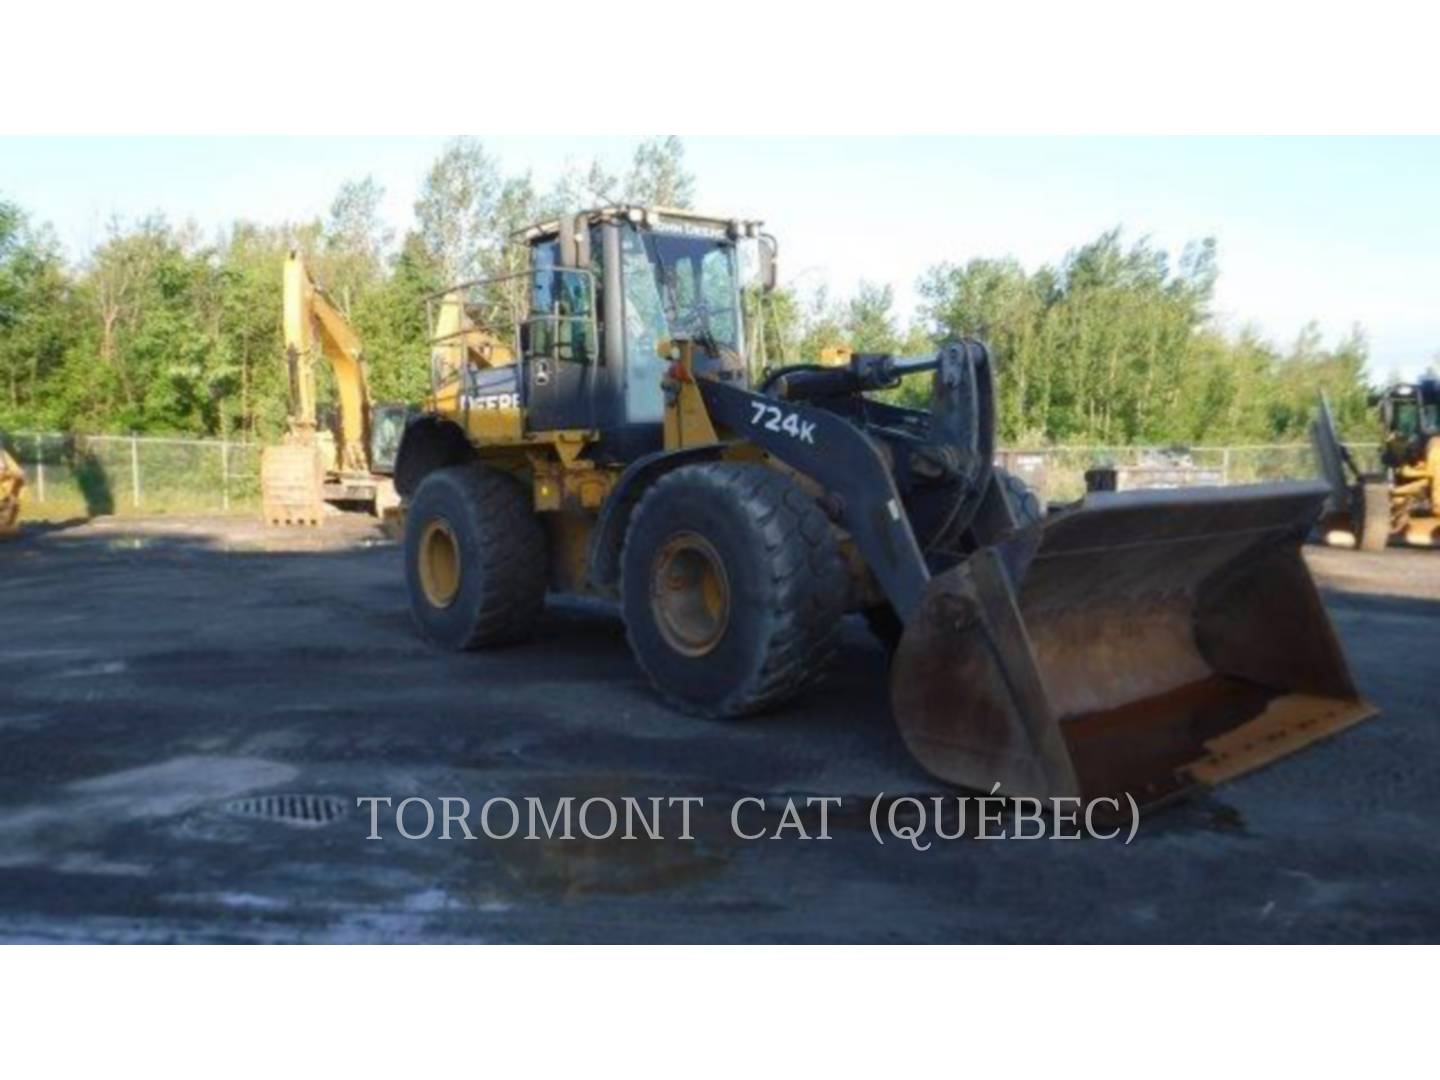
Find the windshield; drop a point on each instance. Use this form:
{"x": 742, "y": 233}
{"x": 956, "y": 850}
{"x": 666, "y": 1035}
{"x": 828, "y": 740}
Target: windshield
{"x": 1407, "y": 419}
{"x": 682, "y": 286}
{"x": 674, "y": 286}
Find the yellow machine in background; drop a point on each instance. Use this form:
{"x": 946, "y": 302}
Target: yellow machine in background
{"x": 12, "y": 482}
{"x": 1402, "y": 501}
{"x": 349, "y": 463}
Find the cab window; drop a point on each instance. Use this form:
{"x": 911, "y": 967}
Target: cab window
{"x": 562, "y": 307}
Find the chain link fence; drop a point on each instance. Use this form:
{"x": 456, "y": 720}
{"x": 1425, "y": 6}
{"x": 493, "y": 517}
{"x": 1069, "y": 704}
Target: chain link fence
{"x": 87, "y": 475}
{"x": 1058, "y": 472}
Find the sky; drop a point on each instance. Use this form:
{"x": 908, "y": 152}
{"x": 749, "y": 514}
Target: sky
{"x": 1342, "y": 231}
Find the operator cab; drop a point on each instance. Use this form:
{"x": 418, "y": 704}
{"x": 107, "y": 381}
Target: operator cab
{"x": 1410, "y": 413}
{"x": 609, "y": 289}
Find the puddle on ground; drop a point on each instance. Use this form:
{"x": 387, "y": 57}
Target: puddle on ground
{"x": 573, "y": 869}
{"x": 559, "y": 869}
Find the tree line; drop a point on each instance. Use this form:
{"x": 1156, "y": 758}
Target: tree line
{"x": 162, "y": 329}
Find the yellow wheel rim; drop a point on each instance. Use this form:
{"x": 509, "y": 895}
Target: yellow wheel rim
{"x": 439, "y": 563}
{"x": 690, "y": 594}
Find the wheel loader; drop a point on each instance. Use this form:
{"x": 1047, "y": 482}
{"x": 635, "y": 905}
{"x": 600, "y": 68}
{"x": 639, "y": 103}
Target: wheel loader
{"x": 343, "y": 462}
{"x": 1401, "y": 502}
{"x": 618, "y": 445}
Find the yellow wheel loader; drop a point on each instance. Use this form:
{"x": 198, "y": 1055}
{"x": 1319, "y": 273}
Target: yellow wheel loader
{"x": 1139, "y": 642}
{"x": 346, "y": 463}
{"x": 12, "y": 482}
{"x": 1402, "y": 502}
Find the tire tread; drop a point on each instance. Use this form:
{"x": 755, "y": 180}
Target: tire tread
{"x": 808, "y": 578}
{"x": 512, "y": 547}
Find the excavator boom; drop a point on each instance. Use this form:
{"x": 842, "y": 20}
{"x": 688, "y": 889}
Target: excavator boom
{"x": 313, "y": 466}
{"x": 314, "y": 326}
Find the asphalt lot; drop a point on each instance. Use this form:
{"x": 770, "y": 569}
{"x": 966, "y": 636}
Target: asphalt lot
{"x": 159, "y": 678}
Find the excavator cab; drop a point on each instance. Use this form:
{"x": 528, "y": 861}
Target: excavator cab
{"x": 387, "y": 427}
{"x": 1410, "y": 413}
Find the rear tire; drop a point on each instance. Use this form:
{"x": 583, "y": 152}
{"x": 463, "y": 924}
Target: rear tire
{"x": 475, "y": 558}
{"x": 732, "y": 588}
{"x": 1375, "y": 516}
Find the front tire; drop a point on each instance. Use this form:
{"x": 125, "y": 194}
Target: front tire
{"x": 732, "y": 588}
{"x": 475, "y": 558}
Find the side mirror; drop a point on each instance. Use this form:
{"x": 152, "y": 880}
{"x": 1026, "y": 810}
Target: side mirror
{"x": 769, "y": 262}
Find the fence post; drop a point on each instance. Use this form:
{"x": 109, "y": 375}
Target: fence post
{"x": 134, "y": 471}
{"x": 39, "y": 467}
{"x": 225, "y": 474}
{"x": 1225, "y": 466}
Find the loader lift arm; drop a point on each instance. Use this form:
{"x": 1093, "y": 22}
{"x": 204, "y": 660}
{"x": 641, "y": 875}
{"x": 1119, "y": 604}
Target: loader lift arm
{"x": 826, "y": 446}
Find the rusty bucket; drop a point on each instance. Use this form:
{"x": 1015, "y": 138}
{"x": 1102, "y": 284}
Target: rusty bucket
{"x": 1139, "y": 643}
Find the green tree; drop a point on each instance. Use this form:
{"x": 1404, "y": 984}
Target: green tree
{"x": 658, "y": 176}
{"x": 39, "y": 322}
{"x": 392, "y": 323}
{"x": 869, "y": 323}
{"x": 457, "y": 209}
{"x": 155, "y": 330}
{"x": 823, "y": 326}
{"x": 356, "y": 242}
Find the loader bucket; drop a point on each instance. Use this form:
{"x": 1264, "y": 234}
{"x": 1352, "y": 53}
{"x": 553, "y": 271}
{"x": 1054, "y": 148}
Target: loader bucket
{"x": 1142, "y": 642}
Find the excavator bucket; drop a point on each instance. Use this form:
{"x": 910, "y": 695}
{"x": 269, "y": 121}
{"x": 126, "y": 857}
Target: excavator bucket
{"x": 292, "y": 484}
{"x": 1140, "y": 643}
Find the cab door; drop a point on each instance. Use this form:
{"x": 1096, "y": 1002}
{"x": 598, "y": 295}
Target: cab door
{"x": 558, "y": 344}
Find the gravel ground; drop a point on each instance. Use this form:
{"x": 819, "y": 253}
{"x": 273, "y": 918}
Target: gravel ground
{"x": 159, "y": 678}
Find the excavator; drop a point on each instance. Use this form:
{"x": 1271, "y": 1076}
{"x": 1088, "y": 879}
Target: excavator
{"x": 617, "y": 444}
{"x": 1402, "y": 502}
{"x": 348, "y": 462}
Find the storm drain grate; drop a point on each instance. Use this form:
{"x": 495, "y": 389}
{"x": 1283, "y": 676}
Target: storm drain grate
{"x": 290, "y": 809}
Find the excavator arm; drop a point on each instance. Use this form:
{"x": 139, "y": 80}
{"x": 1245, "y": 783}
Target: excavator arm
{"x": 313, "y": 326}
{"x": 298, "y": 477}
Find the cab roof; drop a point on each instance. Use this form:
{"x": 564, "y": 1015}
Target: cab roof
{"x": 653, "y": 217}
